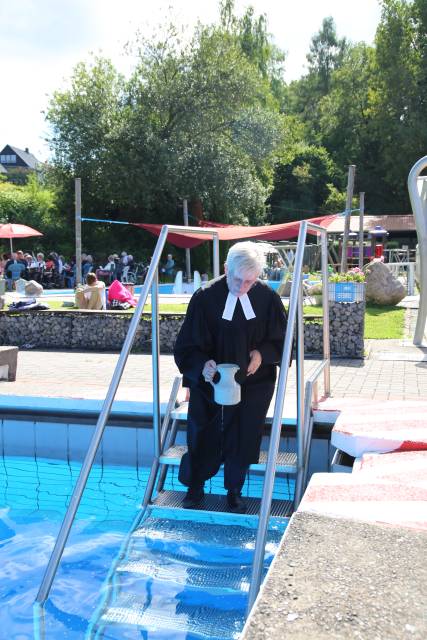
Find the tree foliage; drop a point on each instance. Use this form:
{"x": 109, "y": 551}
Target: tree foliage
{"x": 196, "y": 120}
{"x": 211, "y": 119}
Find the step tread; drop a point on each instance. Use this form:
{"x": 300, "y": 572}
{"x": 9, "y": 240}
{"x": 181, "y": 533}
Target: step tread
{"x": 218, "y": 504}
{"x": 213, "y": 578}
{"x": 286, "y": 461}
{"x": 201, "y": 620}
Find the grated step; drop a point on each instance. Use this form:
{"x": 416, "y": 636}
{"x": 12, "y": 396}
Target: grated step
{"x": 286, "y": 461}
{"x": 216, "y": 579}
{"x": 199, "y": 543}
{"x": 179, "y": 618}
{"x": 189, "y": 531}
{"x": 218, "y": 504}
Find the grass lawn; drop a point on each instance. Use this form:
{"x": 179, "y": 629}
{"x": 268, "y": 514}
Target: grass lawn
{"x": 380, "y": 322}
{"x": 383, "y": 323}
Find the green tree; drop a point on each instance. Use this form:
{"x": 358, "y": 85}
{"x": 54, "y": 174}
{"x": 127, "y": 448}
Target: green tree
{"x": 401, "y": 54}
{"x": 34, "y": 205}
{"x": 301, "y": 184}
{"x": 326, "y": 55}
{"x": 196, "y": 121}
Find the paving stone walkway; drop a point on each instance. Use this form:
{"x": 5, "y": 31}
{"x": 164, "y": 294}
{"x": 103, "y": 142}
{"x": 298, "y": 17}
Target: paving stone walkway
{"x": 392, "y": 369}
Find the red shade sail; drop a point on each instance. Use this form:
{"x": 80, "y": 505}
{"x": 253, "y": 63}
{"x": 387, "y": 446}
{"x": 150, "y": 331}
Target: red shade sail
{"x": 273, "y": 232}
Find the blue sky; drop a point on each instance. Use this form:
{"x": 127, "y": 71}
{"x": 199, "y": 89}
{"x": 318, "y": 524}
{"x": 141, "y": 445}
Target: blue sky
{"x": 42, "y": 40}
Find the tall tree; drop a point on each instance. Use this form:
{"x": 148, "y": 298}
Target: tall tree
{"x": 195, "y": 120}
{"x": 326, "y": 54}
{"x": 401, "y": 54}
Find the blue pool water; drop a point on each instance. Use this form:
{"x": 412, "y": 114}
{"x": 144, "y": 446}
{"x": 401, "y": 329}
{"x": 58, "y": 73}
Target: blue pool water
{"x": 164, "y": 289}
{"x": 34, "y": 494}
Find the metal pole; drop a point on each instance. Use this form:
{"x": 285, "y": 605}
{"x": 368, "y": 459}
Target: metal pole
{"x": 300, "y": 392}
{"x": 187, "y": 251}
{"x": 100, "y": 425}
{"x": 216, "y": 270}
{"x": 78, "y": 205}
{"x": 361, "y": 214}
{"x": 155, "y": 351}
{"x": 325, "y": 304}
{"x": 350, "y": 186}
{"x": 267, "y": 493}
{"x": 417, "y": 186}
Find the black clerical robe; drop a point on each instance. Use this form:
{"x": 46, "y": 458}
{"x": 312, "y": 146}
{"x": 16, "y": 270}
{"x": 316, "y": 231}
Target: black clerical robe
{"x": 214, "y": 433}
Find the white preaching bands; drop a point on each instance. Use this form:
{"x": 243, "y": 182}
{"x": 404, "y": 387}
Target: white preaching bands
{"x": 230, "y": 306}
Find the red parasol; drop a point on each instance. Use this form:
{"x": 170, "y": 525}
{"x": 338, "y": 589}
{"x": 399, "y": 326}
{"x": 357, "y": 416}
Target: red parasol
{"x": 10, "y": 230}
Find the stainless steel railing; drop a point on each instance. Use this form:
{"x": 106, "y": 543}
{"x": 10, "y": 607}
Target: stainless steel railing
{"x": 150, "y": 281}
{"x": 294, "y": 317}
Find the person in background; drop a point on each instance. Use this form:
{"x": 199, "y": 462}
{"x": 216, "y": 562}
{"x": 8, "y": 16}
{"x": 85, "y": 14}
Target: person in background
{"x": 31, "y": 266}
{"x": 13, "y": 270}
{"x": 238, "y": 319}
{"x": 107, "y": 272}
{"x": 169, "y": 266}
{"x": 3, "y": 262}
{"x": 92, "y": 294}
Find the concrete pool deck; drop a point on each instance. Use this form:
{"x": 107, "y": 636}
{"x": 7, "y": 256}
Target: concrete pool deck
{"x": 333, "y": 577}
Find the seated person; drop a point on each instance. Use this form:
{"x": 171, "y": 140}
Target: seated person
{"x": 108, "y": 271}
{"x": 13, "y": 270}
{"x": 92, "y": 294}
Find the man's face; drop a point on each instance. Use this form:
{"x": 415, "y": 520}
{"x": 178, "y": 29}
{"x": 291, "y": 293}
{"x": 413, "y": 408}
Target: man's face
{"x": 239, "y": 282}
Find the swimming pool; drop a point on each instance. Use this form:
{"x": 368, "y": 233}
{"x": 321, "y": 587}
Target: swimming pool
{"x": 164, "y": 289}
{"x": 191, "y": 577}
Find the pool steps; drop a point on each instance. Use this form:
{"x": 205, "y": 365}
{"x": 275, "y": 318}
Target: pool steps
{"x": 183, "y": 576}
{"x": 286, "y": 461}
{"x": 214, "y": 503}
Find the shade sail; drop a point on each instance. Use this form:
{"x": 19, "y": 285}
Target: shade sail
{"x": 273, "y": 232}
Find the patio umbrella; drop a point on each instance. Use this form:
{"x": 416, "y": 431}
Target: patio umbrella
{"x": 10, "y": 230}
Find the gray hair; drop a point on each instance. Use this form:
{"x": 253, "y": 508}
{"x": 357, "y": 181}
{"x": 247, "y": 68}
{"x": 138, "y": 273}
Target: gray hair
{"x": 245, "y": 256}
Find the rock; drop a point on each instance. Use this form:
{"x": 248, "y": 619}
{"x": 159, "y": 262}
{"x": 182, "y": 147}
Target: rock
{"x": 33, "y": 288}
{"x": 381, "y": 286}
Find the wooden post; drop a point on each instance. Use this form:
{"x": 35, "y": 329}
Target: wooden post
{"x": 361, "y": 214}
{"x": 187, "y": 251}
{"x": 350, "y": 186}
{"x": 78, "y": 204}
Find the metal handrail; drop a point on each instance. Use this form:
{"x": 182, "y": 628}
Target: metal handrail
{"x": 151, "y": 279}
{"x": 417, "y": 187}
{"x": 295, "y": 303}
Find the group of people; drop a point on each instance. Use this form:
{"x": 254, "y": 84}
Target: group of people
{"x": 29, "y": 267}
{"x": 53, "y": 271}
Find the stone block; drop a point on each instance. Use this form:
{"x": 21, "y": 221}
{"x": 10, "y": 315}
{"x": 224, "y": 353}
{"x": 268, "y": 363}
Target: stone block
{"x": 9, "y": 359}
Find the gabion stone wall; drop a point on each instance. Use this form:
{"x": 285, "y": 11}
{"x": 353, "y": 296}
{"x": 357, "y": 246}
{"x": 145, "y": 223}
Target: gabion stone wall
{"x": 346, "y": 326}
{"x": 106, "y": 330}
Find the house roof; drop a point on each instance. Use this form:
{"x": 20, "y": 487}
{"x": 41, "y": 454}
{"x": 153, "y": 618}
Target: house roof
{"x": 29, "y": 159}
{"x": 391, "y": 223}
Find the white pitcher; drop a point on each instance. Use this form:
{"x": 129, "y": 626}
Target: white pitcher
{"x": 226, "y": 390}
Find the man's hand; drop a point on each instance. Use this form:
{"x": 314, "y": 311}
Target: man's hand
{"x": 209, "y": 370}
{"x": 255, "y": 362}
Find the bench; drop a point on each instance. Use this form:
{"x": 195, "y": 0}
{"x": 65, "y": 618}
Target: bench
{"x": 8, "y": 363}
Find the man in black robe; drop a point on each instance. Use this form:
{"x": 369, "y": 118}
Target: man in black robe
{"x": 235, "y": 319}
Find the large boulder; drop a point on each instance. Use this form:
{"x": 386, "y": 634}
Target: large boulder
{"x": 381, "y": 286}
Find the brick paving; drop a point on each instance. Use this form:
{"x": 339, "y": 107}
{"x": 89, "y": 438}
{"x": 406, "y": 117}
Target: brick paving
{"x": 392, "y": 369}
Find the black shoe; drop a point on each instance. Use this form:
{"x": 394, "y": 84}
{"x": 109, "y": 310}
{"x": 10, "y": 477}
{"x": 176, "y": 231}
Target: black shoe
{"x": 193, "y": 497}
{"x": 235, "y": 502}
